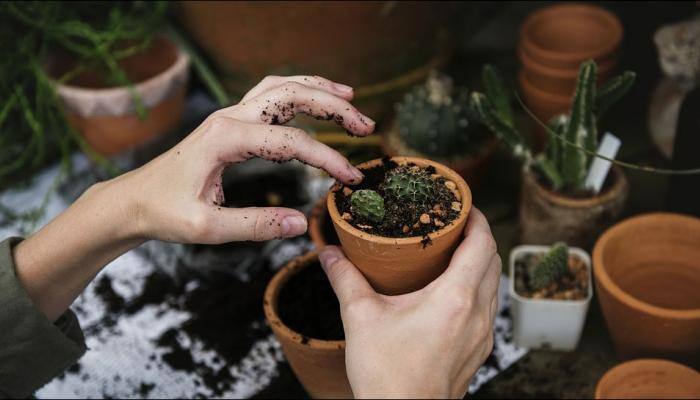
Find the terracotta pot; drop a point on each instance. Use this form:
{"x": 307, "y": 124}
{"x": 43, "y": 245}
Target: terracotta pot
{"x": 547, "y": 217}
{"x": 471, "y": 168}
{"x": 564, "y": 35}
{"x": 543, "y": 104}
{"x": 649, "y": 379}
{"x": 321, "y": 228}
{"x": 106, "y": 116}
{"x": 401, "y": 265}
{"x": 647, "y": 273}
{"x": 319, "y": 364}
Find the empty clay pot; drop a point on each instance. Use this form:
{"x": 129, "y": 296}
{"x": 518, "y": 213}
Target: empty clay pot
{"x": 647, "y": 274}
{"x": 106, "y": 116}
{"x": 319, "y": 364}
{"x": 401, "y": 265}
{"x": 547, "y": 217}
{"x": 321, "y": 228}
{"x": 649, "y": 379}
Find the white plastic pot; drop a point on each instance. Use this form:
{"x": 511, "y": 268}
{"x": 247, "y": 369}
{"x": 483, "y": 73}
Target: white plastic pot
{"x": 555, "y": 324}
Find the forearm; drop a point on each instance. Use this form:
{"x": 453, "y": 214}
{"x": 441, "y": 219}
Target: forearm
{"x": 55, "y": 264}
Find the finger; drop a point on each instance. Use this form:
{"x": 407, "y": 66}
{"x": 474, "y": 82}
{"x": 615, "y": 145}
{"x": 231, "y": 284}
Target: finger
{"x": 347, "y": 281}
{"x": 317, "y": 82}
{"x": 238, "y": 141}
{"x": 282, "y": 103}
{"x": 254, "y": 224}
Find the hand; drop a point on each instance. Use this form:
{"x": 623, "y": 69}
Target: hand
{"x": 178, "y": 196}
{"x": 427, "y": 343}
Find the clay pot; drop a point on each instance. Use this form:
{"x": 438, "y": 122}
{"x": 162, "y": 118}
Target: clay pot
{"x": 547, "y": 217}
{"x": 647, "y": 275}
{"x": 106, "y": 116}
{"x": 321, "y": 228}
{"x": 543, "y": 104}
{"x": 319, "y": 364}
{"x": 649, "y": 379}
{"x": 401, "y": 265}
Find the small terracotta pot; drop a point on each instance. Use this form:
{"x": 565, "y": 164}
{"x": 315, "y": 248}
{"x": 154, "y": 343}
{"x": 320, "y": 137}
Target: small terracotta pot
{"x": 321, "y": 228}
{"x": 647, "y": 274}
{"x": 547, "y": 217}
{"x": 319, "y": 364}
{"x": 649, "y": 379}
{"x": 564, "y": 35}
{"x": 401, "y": 265}
{"x": 106, "y": 116}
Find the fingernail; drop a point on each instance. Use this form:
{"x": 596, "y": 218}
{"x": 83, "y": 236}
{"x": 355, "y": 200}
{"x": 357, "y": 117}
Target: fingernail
{"x": 328, "y": 256}
{"x": 357, "y": 175}
{"x": 342, "y": 88}
{"x": 293, "y": 225}
{"x": 367, "y": 120}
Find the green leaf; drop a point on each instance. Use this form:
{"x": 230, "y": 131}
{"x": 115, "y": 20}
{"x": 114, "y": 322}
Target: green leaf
{"x": 497, "y": 92}
{"x": 581, "y": 129}
{"x": 487, "y": 115}
{"x": 613, "y": 91}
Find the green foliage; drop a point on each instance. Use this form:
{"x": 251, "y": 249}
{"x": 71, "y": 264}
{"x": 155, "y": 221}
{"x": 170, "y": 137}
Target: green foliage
{"x": 435, "y": 119}
{"x": 571, "y": 137}
{"x": 552, "y": 266}
{"x": 367, "y": 204}
{"x": 409, "y": 184}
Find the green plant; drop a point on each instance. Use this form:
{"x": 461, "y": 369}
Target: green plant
{"x": 409, "y": 184}
{"x": 552, "y": 266}
{"x": 435, "y": 119}
{"x": 367, "y": 204}
{"x": 572, "y": 137}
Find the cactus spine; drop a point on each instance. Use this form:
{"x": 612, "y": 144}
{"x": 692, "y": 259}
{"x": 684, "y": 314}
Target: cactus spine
{"x": 367, "y": 204}
{"x": 553, "y": 265}
{"x": 409, "y": 184}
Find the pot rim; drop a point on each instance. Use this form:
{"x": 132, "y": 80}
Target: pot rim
{"x": 516, "y": 251}
{"x": 649, "y": 363}
{"x": 604, "y": 66}
{"x": 441, "y": 169}
{"x": 270, "y": 298}
{"x": 552, "y": 12}
{"x": 564, "y": 101}
{"x": 603, "y": 278}
{"x": 618, "y": 186}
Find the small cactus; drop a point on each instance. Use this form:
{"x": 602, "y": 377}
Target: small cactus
{"x": 409, "y": 184}
{"x": 553, "y": 265}
{"x": 367, "y": 204}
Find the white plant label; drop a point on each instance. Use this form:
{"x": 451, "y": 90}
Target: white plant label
{"x": 608, "y": 147}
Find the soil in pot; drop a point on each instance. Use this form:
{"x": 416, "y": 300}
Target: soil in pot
{"x": 403, "y": 217}
{"x": 573, "y": 285}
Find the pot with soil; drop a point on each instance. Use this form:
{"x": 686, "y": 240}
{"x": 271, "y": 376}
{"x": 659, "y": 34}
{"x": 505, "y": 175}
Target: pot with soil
{"x": 649, "y": 379}
{"x": 114, "y": 119}
{"x": 401, "y": 224}
{"x": 304, "y": 314}
{"x": 550, "y": 290}
{"x": 434, "y": 121}
{"x": 647, "y": 275}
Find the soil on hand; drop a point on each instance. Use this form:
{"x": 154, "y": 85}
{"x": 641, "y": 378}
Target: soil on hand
{"x": 402, "y": 218}
{"x": 308, "y": 305}
{"x": 571, "y": 286}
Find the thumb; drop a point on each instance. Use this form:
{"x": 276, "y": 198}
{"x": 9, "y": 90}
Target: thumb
{"x": 259, "y": 223}
{"x": 347, "y": 281}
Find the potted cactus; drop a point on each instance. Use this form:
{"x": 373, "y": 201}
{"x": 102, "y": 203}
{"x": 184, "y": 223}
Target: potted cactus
{"x": 555, "y": 202}
{"x": 434, "y": 121}
{"x": 400, "y": 225}
{"x": 550, "y": 290}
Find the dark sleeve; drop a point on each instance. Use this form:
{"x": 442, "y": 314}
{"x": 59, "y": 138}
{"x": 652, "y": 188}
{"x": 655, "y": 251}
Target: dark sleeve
{"x": 32, "y": 349}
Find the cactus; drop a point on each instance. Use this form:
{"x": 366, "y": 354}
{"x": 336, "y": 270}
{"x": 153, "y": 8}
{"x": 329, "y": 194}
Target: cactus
{"x": 367, "y": 204}
{"x": 409, "y": 184}
{"x": 435, "y": 120}
{"x": 564, "y": 163}
{"x": 552, "y": 266}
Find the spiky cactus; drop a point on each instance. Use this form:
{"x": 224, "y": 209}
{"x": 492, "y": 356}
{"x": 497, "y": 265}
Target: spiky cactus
{"x": 572, "y": 137}
{"x": 552, "y": 266}
{"x": 367, "y": 204}
{"x": 409, "y": 184}
{"x": 435, "y": 119}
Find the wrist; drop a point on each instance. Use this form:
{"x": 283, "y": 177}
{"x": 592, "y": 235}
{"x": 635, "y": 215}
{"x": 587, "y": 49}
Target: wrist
{"x": 121, "y": 210}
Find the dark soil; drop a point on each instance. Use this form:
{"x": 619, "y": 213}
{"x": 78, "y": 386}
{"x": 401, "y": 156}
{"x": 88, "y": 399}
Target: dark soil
{"x": 572, "y": 286}
{"x": 308, "y": 305}
{"x": 402, "y": 219}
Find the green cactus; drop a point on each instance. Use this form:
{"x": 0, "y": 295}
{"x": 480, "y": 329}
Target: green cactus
{"x": 565, "y": 166}
{"x": 409, "y": 184}
{"x": 435, "y": 119}
{"x": 367, "y": 204}
{"x": 552, "y": 266}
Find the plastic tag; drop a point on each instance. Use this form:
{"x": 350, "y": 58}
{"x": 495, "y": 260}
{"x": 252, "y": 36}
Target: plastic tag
{"x": 608, "y": 147}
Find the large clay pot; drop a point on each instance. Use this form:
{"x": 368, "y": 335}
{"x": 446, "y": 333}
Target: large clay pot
{"x": 647, "y": 274}
{"x": 649, "y": 379}
{"x": 106, "y": 116}
{"x": 319, "y": 364}
{"x": 401, "y": 265}
{"x": 547, "y": 217}
{"x": 379, "y": 47}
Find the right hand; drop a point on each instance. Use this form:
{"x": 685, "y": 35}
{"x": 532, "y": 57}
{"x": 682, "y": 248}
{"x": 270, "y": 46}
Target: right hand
{"x": 428, "y": 343}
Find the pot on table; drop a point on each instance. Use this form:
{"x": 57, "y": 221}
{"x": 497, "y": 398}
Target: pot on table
{"x": 649, "y": 379}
